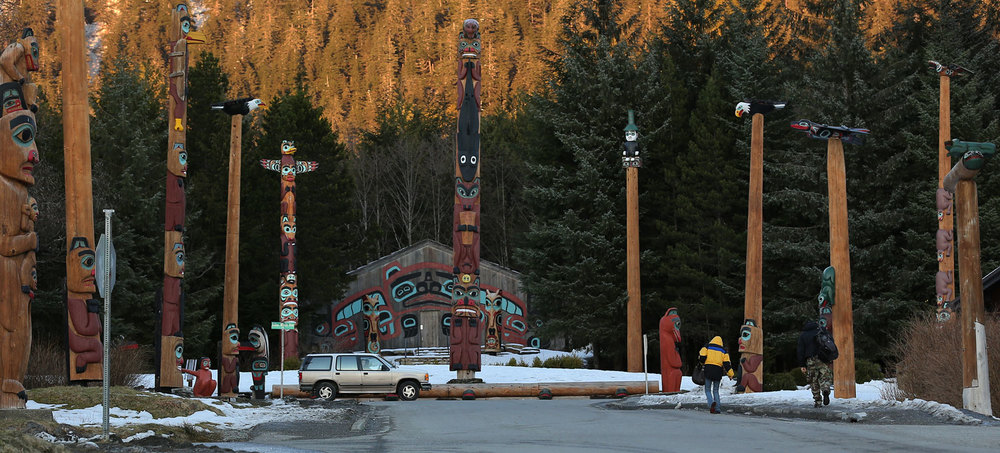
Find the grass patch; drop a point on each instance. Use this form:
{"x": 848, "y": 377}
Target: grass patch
{"x": 16, "y": 442}
{"x": 158, "y": 405}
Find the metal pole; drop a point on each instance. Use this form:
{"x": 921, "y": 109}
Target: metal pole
{"x": 645, "y": 369}
{"x": 281, "y": 386}
{"x": 107, "y": 322}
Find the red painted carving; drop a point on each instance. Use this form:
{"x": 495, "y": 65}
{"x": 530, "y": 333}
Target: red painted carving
{"x": 670, "y": 356}
{"x": 204, "y": 385}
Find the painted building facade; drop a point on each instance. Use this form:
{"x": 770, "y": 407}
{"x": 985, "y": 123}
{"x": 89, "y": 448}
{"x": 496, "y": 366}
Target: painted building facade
{"x": 404, "y": 300}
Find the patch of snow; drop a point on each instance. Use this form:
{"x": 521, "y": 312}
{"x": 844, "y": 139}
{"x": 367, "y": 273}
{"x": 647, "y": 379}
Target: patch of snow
{"x": 138, "y": 436}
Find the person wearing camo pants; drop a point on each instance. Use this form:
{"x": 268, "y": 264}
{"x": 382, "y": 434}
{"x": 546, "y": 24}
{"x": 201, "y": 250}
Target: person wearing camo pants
{"x": 818, "y": 374}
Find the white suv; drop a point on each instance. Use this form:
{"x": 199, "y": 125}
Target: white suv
{"x": 327, "y": 375}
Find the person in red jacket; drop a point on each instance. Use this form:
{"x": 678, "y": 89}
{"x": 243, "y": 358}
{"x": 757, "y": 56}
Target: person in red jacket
{"x": 716, "y": 361}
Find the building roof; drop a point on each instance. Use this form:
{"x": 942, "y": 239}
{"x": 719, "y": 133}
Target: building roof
{"x": 426, "y": 243}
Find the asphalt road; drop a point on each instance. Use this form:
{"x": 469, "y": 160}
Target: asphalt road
{"x": 585, "y": 425}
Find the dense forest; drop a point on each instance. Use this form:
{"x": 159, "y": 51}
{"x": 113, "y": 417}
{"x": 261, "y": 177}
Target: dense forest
{"x": 366, "y": 88}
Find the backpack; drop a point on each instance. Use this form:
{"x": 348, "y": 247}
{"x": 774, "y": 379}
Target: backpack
{"x": 826, "y": 349}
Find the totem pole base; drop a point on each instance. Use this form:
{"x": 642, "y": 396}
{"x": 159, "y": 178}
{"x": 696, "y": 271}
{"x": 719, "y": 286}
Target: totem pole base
{"x": 466, "y": 377}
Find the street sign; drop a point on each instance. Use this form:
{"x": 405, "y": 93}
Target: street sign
{"x": 102, "y": 244}
{"x": 286, "y": 325}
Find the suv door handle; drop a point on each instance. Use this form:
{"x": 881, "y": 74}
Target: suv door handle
{"x": 366, "y": 373}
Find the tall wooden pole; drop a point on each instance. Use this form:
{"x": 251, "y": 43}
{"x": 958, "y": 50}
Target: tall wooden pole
{"x": 631, "y": 161}
{"x": 944, "y": 280}
{"x": 230, "y": 295}
{"x": 752, "y": 304}
{"x": 634, "y": 314}
{"x": 840, "y": 259}
{"x": 975, "y": 367}
{"x": 84, "y": 326}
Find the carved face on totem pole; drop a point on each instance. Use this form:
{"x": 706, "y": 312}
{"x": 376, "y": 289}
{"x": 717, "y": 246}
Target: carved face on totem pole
{"x": 751, "y": 338}
{"x": 177, "y": 160}
{"x": 173, "y": 263}
{"x": 288, "y": 226}
{"x": 468, "y": 39}
{"x": 80, "y": 278}
{"x": 466, "y": 296}
{"x": 675, "y": 321}
{"x": 17, "y": 138}
{"x": 258, "y": 340}
{"x": 32, "y": 53}
{"x": 206, "y": 363}
{"x": 231, "y": 341}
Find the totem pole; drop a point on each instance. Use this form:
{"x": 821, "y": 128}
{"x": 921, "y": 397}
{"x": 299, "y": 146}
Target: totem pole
{"x": 370, "y": 312}
{"x": 670, "y": 351}
{"x": 17, "y": 61}
{"x": 633, "y": 316}
{"x": 18, "y": 241}
{"x": 86, "y": 351}
{"x": 258, "y": 365}
{"x": 827, "y": 297}
{"x": 466, "y": 334}
{"x": 753, "y": 311}
{"x": 751, "y": 358}
{"x": 840, "y": 258}
{"x": 236, "y": 109}
{"x": 170, "y": 299}
{"x": 288, "y": 291}
{"x": 960, "y": 181}
{"x": 944, "y": 280}
{"x": 494, "y": 321}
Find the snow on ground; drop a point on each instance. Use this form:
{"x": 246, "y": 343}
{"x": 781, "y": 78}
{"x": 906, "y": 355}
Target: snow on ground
{"x": 495, "y": 370}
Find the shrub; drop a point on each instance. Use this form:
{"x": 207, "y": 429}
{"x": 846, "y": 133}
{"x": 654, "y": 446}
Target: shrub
{"x": 512, "y": 362}
{"x": 47, "y": 364}
{"x": 798, "y": 376}
{"x": 563, "y": 361}
{"x": 129, "y": 362}
{"x": 779, "y": 381}
{"x": 537, "y": 363}
{"x": 292, "y": 363}
{"x": 930, "y": 359}
{"x": 865, "y": 371}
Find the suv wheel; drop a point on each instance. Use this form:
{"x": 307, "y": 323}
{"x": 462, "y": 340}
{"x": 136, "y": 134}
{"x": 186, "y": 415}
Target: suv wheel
{"x": 408, "y": 391}
{"x": 326, "y": 390}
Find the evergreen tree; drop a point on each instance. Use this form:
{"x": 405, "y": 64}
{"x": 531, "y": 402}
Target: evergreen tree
{"x": 326, "y": 218}
{"x": 128, "y": 144}
{"x": 575, "y": 244}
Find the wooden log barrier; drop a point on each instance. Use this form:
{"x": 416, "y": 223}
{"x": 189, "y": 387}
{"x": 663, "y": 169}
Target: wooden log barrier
{"x": 520, "y": 390}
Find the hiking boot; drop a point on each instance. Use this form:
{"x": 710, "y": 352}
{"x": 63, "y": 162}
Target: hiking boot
{"x": 826, "y": 397}
{"x": 712, "y": 409}
{"x": 817, "y": 404}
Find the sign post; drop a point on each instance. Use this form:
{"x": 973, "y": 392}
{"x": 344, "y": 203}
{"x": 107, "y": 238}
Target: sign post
{"x": 105, "y": 279}
{"x": 645, "y": 369}
{"x": 282, "y": 325}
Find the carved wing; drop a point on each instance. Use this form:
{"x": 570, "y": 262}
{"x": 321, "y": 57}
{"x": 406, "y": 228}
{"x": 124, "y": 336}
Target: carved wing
{"x": 271, "y": 164}
{"x": 302, "y": 166}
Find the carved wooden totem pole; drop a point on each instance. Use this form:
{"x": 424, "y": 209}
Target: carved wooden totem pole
{"x": 753, "y": 311}
{"x": 170, "y": 300}
{"x": 229, "y": 352}
{"x": 288, "y": 290}
{"x": 18, "y": 213}
{"x": 204, "y": 385}
{"x": 17, "y": 61}
{"x": 369, "y": 309}
{"x": 670, "y": 353}
{"x": 827, "y": 297}
{"x": 944, "y": 280}
{"x": 466, "y": 333}
{"x": 86, "y": 352}
{"x": 840, "y": 258}
{"x": 633, "y": 309}
{"x": 261, "y": 359}
{"x": 494, "y": 322}
{"x": 960, "y": 181}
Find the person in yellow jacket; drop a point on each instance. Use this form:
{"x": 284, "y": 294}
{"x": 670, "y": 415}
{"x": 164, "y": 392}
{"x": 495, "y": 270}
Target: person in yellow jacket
{"x": 716, "y": 361}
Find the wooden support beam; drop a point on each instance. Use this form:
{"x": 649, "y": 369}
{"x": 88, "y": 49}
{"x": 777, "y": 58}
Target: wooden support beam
{"x": 634, "y": 308}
